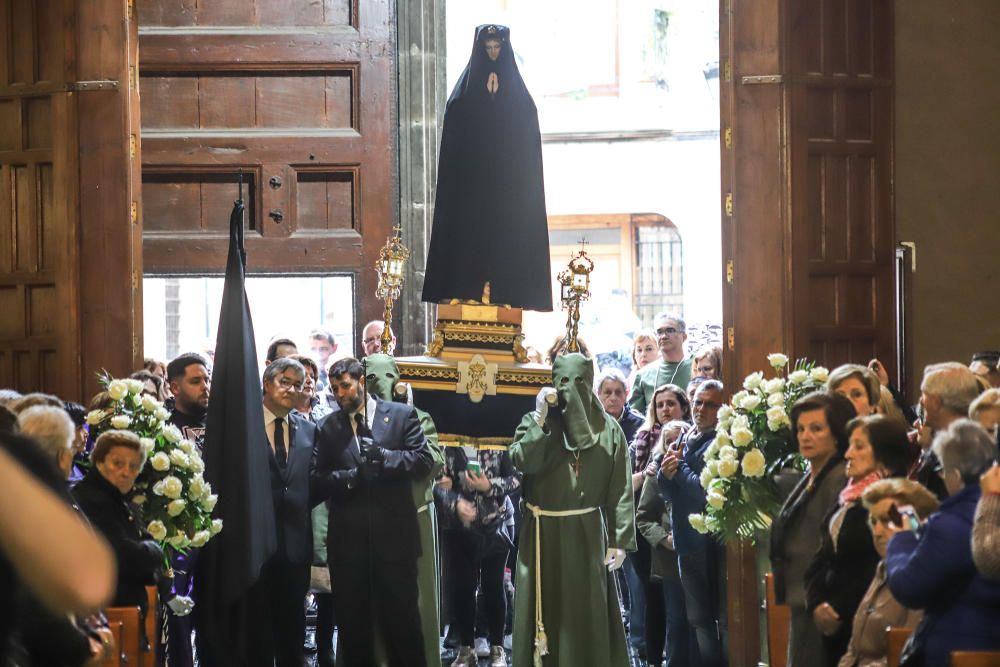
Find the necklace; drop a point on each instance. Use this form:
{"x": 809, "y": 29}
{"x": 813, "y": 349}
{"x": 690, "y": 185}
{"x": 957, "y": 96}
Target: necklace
{"x": 677, "y": 366}
{"x": 576, "y": 464}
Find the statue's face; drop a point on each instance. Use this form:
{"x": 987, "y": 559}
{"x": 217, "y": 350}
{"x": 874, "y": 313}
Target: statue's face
{"x": 492, "y": 48}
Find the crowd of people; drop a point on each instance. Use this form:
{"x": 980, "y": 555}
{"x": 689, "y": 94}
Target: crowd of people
{"x": 408, "y": 551}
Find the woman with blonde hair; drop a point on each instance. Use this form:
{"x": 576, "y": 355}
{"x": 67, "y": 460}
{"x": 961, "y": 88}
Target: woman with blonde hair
{"x": 858, "y": 384}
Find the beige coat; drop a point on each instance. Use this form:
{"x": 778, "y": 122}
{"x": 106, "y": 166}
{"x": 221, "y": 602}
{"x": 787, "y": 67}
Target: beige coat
{"x": 878, "y": 610}
{"x": 986, "y": 536}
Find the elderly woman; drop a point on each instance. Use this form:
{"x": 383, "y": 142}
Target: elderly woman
{"x": 103, "y": 495}
{"x": 932, "y": 568}
{"x": 986, "y": 410}
{"x": 666, "y": 618}
{"x": 986, "y": 530}
{"x": 45, "y": 638}
{"x": 845, "y": 563}
{"x": 819, "y": 422}
{"x": 878, "y": 609}
{"x": 859, "y": 385}
{"x": 708, "y": 363}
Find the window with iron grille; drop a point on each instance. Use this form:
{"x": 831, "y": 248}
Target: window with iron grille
{"x": 659, "y": 271}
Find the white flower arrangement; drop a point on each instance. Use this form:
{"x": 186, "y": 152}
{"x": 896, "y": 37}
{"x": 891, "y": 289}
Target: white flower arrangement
{"x": 175, "y": 502}
{"x": 752, "y": 443}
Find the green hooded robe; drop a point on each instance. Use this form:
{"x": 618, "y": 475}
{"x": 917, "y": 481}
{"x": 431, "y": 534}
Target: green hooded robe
{"x": 381, "y": 377}
{"x": 577, "y": 462}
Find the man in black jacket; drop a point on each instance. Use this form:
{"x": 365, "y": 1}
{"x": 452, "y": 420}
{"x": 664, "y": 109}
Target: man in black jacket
{"x": 285, "y": 577}
{"x": 367, "y": 456}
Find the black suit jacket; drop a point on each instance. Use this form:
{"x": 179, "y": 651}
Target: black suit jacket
{"x": 371, "y": 519}
{"x": 290, "y": 490}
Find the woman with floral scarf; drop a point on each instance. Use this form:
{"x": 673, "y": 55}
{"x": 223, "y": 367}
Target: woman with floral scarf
{"x": 843, "y": 568}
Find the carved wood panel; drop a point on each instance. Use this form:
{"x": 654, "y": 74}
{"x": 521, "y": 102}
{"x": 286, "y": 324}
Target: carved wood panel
{"x": 300, "y": 96}
{"x": 840, "y": 130}
{"x": 67, "y": 104}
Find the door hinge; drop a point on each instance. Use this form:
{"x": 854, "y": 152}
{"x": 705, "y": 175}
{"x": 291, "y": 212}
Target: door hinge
{"x": 135, "y": 213}
{"x": 757, "y": 79}
{"x": 729, "y": 204}
{"x": 730, "y": 274}
{"x": 132, "y": 147}
{"x": 731, "y": 338}
{"x": 92, "y": 85}
{"x": 727, "y": 71}
{"x": 727, "y": 137}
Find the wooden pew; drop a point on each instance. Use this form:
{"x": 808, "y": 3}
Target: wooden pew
{"x": 115, "y": 659}
{"x": 895, "y": 640}
{"x": 149, "y": 657}
{"x": 779, "y": 618}
{"x": 975, "y": 659}
{"x": 129, "y": 647}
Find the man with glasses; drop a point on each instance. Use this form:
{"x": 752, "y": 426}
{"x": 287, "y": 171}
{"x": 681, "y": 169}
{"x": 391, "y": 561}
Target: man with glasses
{"x": 674, "y": 366}
{"x": 284, "y": 579}
{"x": 701, "y": 559}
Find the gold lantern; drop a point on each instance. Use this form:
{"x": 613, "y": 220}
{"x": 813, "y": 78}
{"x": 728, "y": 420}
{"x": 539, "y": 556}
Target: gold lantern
{"x": 574, "y": 282}
{"x": 390, "y": 267}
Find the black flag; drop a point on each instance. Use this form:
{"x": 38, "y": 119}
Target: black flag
{"x": 236, "y": 464}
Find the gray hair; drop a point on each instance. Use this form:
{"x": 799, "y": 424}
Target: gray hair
{"x": 954, "y": 383}
{"x": 280, "y": 365}
{"x": 48, "y": 426}
{"x": 988, "y": 400}
{"x": 611, "y": 374}
{"x": 965, "y": 446}
{"x": 670, "y": 316}
{"x": 8, "y": 396}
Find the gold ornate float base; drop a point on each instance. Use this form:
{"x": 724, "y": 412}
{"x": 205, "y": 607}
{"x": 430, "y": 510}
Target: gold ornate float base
{"x": 474, "y": 378}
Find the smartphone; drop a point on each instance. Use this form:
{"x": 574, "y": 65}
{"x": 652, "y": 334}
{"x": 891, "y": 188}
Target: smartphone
{"x": 474, "y": 467}
{"x": 906, "y": 513}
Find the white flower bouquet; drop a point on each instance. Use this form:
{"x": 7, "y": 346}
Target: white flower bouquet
{"x": 753, "y": 442}
{"x": 174, "y": 500}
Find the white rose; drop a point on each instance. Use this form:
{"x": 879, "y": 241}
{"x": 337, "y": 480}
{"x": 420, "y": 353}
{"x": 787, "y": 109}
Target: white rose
{"x": 161, "y": 413}
{"x": 186, "y": 446}
{"x": 200, "y": 538}
{"x": 216, "y": 526}
{"x": 179, "y": 458}
{"x": 149, "y": 404}
{"x": 742, "y": 437}
{"x": 139, "y": 499}
{"x": 147, "y": 445}
{"x": 797, "y": 377}
{"x": 160, "y": 462}
{"x": 117, "y": 389}
{"x": 208, "y": 502}
{"x": 705, "y": 477}
{"x": 753, "y": 381}
{"x": 157, "y": 530}
{"x": 179, "y": 540}
{"x": 725, "y": 412}
{"x": 777, "y": 418}
{"x": 728, "y": 468}
{"x": 134, "y": 386}
{"x": 819, "y": 374}
{"x": 728, "y": 453}
{"x": 172, "y": 434}
{"x": 95, "y": 417}
{"x": 197, "y": 465}
{"x": 697, "y": 522}
{"x": 120, "y": 421}
{"x": 776, "y": 399}
{"x": 750, "y": 402}
{"x": 172, "y": 487}
{"x": 722, "y": 438}
{"x": 711, "y": 524}
{"x": 176, "y": 507}
{"x": 713, "y": 468}
{"x": 712, "y": 450}
{"x": 716, "y": 500}
{"x": 197, "y": 487}
{"x": 740, "y": 421}
{"x": 775, "y": 386}
{"x": 777, "y": 360}
{"x": 737, "y": 398}
{"x": 158, "y": 488}
{"x": 753, "y": 463}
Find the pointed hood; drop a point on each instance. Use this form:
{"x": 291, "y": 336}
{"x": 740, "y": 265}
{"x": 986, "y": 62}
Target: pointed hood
{"x": 583, "y": 414}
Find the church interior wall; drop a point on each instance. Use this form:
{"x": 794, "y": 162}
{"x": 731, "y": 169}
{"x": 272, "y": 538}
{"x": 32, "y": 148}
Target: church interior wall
{"x": 947, "y": 162}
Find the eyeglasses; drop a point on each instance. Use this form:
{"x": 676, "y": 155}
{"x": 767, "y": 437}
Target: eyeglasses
{"x": 668, "y": 331}
{"x": 711, "y": 405}
{"x": 372, "y": 339}
{"x": 287, "y": 384}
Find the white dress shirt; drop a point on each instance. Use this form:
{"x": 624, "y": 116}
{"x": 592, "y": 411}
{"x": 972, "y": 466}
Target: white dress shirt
{"x": 269, "y": 418}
